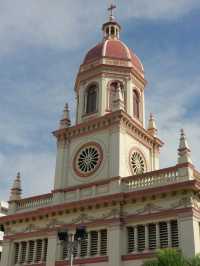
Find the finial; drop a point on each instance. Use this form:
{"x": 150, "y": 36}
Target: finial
{"x": 111, "y": 9}
{"x": 16, "y": 189}
{"x": 183, "y": 150}
{"x": 65, "y": 121}
{"x": 111, "y": 29}
{"x": 18, "y": 177}
{"x": 152, "y": 129}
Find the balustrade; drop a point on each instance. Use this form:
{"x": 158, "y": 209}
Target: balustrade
{"x": 152, "y": 179}
{"x": 35, "y": 202}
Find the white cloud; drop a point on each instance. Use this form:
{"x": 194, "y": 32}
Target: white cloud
{"x": 37, "y": 172}
{"x": 158, "y": 9}
{"x": 170, "y": 97}
{"x": 68, "y": 24}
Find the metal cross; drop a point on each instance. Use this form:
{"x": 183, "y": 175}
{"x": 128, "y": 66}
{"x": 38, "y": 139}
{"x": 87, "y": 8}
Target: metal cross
{"x": 111, "y": 8}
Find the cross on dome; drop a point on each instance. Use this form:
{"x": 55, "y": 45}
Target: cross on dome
{"x": 110, "y": 9}
{"x": 111, "y": 28}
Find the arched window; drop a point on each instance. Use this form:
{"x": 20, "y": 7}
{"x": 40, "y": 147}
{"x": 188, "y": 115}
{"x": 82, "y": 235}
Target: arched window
{"x": 91, "y": 99}
{"x": 136, "y": 104}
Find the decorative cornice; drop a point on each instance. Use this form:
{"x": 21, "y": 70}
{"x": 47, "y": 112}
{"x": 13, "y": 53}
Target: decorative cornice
{"x": 104, "y": 66}
{"x": 83, "y": 261}
{"x": 138, "y": 256}
{"x": 102, "y": 222}
{"x": 119, "y": 118}
{"x": 119, "y": 198}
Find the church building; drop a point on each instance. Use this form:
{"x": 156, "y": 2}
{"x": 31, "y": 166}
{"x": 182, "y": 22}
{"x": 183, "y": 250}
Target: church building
{"x": 108, "y": 182}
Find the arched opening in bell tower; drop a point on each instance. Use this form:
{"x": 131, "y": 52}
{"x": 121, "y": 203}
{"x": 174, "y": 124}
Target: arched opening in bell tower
{"x": 136, "y": 104}
{"x": 91, "y": 99}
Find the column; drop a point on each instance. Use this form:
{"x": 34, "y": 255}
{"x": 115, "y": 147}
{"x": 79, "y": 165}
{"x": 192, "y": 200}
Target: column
{"x": 7, "y": 257}
{"x": 99, "y": 244}
{"x": 89, "y": 244}
{"x": 51, "y": 250}
{"x": 35, "y": 251}
{"x": 78, "y": 247}
{"x": 114, "y": 245}
{"x": 136, "y": 239}
{"x": 157, "y": 236}
{"x": 146, "y": 237}
{"x": 27, "y": 251}
{"x": 169, "y": 234}
{"x": 19, "y": 253}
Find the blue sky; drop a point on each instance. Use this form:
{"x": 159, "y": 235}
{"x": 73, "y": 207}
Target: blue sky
{"x": 42, "y": 44}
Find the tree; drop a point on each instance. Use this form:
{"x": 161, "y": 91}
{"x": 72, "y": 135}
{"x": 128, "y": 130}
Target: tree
{"x": 168, "y": 257}
{"x": 194, "y": 261}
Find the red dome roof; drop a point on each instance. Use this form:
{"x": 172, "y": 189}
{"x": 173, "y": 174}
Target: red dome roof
{"x": 113, "y": 49}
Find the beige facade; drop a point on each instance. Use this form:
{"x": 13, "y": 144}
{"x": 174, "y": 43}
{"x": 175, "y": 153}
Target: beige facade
{"x": 3, "y": 212}
{"x": 107, "y": 177}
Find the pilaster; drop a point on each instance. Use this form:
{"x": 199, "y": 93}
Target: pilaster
{"x": 52, "y": 249}
{"x": 114, "y": 244}
{"x": 189, "y": 236}
{"x": 7, "y": 258}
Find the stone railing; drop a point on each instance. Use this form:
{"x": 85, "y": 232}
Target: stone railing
{"x": 152, "y": 179}
{"x": 35, "y": 202}
{"x": 147, "y": 180}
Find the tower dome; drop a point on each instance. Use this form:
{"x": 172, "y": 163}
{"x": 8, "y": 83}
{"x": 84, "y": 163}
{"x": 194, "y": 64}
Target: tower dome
{"x": 112, "y": 47}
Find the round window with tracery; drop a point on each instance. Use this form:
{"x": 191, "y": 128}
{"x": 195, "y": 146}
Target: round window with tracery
{"x": 88, "y": 159}
{"x": 137, "y": 163}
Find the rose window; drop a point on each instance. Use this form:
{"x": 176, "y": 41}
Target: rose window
{"x": 88, "y": 159}
{"x": 137, "y": 163}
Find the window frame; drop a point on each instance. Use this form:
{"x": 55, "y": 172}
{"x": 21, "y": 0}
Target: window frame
{"x": 136, "y": 104}
{"x": 90, "y": 87}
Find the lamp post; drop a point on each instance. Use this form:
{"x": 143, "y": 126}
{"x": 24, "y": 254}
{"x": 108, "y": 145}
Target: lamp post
{"x": 72, "y": 240}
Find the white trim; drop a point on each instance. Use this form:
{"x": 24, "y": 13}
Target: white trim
{"x": 127, "y": 50}
{"x": 104, "y": 48}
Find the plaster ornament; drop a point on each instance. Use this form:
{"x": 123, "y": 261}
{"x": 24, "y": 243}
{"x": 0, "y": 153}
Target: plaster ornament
{"x": 183, "y": 202}
{"x": 54, "y": 223}
{"x": 83, "y": 218}
{"x": 149, "y": 208}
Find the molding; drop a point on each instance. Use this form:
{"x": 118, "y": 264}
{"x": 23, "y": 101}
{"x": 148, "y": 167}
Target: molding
{"x": 35, "y": 264}
{"x": 122, "y": 220}
{"x": 83, "y": 261}
{"x": 158, "y": 215}
{"x": 119, "y": 118}
{"x": 82, "y": 186}
{"x": 138, "y": 256}
{"x": 117, "y": 198}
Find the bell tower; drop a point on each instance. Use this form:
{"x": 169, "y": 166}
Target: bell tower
{"x": 111, "y": 78}
{"x": 109, "y": 138}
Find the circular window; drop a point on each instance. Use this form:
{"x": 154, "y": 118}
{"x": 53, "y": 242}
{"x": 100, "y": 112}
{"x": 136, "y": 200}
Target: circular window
{"x": 88, "y": 159}
{"x": 137, "y": 163}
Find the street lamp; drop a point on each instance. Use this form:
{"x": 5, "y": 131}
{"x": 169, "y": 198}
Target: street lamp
{"x": 72, "y": 240}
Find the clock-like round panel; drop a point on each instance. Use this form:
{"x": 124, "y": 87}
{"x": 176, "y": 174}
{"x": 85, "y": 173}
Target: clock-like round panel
{"x": 88, "y": 159}
{"x": 137, "y": 163}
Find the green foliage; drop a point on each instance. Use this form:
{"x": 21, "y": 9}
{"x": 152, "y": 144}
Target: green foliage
{"x": 194, "y": 261}
{"x": 168, "y": 257}
{"x": 172, "y": 257}
{"x": 151, "y": 263}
